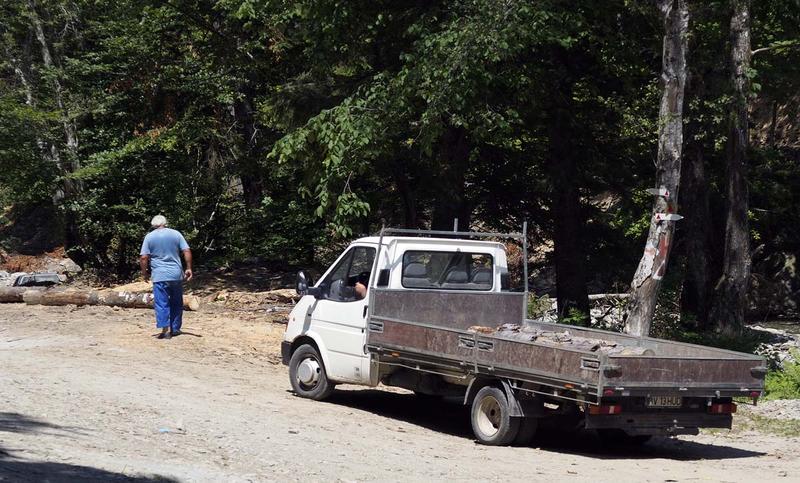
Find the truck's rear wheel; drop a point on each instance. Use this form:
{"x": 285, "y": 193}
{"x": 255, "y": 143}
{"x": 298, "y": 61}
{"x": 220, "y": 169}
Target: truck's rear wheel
{"x": 491, "y": 419}
{"x": 307, "y": 374}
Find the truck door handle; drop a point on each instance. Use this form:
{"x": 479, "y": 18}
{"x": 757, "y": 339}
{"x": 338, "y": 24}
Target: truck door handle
{"x": 485, "y": 345}
{"x": 365, "y": 310}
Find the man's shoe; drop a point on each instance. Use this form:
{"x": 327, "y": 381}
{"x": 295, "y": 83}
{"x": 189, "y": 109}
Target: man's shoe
{"x": 175, "y": 333}
{"x": 164, "y": 335}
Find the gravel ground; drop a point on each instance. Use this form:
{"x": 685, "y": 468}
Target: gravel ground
{"x": 88, "y": 394}
{"x": 778, "y": 409}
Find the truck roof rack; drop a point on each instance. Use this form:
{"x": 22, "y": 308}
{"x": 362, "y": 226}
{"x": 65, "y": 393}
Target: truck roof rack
{"x": 477, "y": 234}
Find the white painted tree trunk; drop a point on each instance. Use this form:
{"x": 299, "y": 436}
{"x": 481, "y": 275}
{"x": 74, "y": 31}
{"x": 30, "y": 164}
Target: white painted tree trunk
{"x": 647, "y": 279}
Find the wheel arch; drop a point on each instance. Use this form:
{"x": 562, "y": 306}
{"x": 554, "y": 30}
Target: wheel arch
{"x": 313, "y": 340}
{"x": 515, "y": 409}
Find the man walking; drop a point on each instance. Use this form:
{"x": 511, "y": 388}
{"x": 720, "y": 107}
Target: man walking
{"x": 161, "y": 253}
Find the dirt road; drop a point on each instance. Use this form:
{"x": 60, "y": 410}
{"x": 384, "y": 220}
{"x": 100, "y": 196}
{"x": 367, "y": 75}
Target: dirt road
{"x": 89, "y": 394}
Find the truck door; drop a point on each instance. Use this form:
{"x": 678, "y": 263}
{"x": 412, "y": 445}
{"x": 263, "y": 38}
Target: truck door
{"x": 340, "y": 316}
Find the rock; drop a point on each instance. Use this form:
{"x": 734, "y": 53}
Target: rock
{"x": 781, "y": 348}
{"x": 63, "y": 266}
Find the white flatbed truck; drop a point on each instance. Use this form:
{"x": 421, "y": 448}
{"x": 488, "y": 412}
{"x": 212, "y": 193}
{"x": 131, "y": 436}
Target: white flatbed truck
{"x": 438, "y": 318}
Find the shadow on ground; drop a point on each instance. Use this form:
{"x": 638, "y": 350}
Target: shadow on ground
{"x": 19, "y": 469}
{"x": 449, "y": 416}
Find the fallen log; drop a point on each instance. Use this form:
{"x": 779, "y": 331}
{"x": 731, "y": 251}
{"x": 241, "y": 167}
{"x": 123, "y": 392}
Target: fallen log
{"x": 105, "y": 297}
{"x": 14, "y": 294}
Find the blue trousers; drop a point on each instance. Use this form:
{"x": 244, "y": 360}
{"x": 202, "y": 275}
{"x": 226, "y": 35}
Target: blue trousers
{"x": 168, "y": 302}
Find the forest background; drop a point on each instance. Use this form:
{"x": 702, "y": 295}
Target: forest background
{"x": 278, "y": 130}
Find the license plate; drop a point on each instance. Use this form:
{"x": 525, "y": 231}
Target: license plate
{"x": 664, "y": 401}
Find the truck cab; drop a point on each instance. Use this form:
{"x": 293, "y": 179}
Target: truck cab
{"x": 332, "y": 318}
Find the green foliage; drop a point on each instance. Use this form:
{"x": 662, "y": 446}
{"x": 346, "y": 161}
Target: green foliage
{"x": 574, "y": 317}
{"x": 278, "y": 129}
{"x": 538, "y": 306}
{"x": 785, "y": 383}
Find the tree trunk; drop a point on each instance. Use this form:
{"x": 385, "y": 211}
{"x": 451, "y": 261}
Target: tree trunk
{"x": 400, "y": 175}
{"x": 14, "y": 294}
{"x": 248, "y": 167}
{"x": 451, "y": 201}
{"x": 107, "y": 297}
{"x": 70, "y": 133}
{"x": 570, "y": 259}
{"x": 696, "y": 237}
{"x": 730, "y": 297}
{"x": 647, "y": 279}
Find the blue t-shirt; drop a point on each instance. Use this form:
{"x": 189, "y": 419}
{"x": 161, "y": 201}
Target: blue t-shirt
{"x": 164, "y": 245}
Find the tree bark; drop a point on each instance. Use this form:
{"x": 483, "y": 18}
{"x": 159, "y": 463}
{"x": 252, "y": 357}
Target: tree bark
{"x": 569, "y": 257}
{"x": 451, "y": 201}
{"x": 14, "y": 294}
{"x": 730, "y": 297}
{"x": 696, "y": 237}
{"x": 248, "y": 167}
{"x": 647, "y": 279}
{"x": 106, "y": 297}
{"x": 400, "y": 175}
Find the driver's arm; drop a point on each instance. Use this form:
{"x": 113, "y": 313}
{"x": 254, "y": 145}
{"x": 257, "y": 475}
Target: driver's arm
{"x": 361, "y": 290}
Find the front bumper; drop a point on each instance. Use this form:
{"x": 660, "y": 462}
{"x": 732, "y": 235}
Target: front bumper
{"x": 286, "y": 352}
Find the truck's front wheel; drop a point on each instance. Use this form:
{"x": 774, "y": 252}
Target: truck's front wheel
{"x": 491, "y": 419}
{"x": 307, "y": 374}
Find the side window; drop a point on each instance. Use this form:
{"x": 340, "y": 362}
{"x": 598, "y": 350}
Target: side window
{"x": 448, "y": 270}
{"x": 342, "y": 283}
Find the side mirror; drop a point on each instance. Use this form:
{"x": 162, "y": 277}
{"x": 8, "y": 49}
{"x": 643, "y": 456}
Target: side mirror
{"x": 383, "y": 278}
{"x": 303, "y": 283}
{"x": 315, "y": 292}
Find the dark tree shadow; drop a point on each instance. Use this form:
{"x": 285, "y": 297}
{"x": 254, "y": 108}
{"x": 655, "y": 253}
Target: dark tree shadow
{"x": 19, "y": 423}
{"x": 14, "y": 468}
{"x": 449, "y": 416}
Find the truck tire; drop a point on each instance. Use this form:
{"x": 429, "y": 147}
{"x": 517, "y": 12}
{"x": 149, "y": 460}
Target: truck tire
{"x": 307, "y": 374}
{"x": 491, "y": 421}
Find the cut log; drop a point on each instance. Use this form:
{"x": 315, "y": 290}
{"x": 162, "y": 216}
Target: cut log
{"x": 106, "y": 297}
{"x": 14, "y": 294}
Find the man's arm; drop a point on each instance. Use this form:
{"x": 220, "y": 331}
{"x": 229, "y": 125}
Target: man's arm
{"x": 144, "y": 264}
{"x": 187, "y": 257}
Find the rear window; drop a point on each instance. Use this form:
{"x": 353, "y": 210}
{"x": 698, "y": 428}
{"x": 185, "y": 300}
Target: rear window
{"x": 448, "y": 270}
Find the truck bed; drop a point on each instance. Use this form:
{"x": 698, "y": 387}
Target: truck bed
{"x": 472, "y": 334}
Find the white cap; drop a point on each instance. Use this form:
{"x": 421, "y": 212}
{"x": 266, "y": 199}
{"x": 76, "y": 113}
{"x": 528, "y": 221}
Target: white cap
{"x": 158, "y": 221}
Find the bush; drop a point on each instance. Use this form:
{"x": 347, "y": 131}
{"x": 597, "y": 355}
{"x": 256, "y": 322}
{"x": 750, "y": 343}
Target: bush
{"x": 784, "y": 384}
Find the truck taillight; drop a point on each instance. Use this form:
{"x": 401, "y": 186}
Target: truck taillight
{"x": 723, "y": 408}
{"x": 606, "y": 409}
